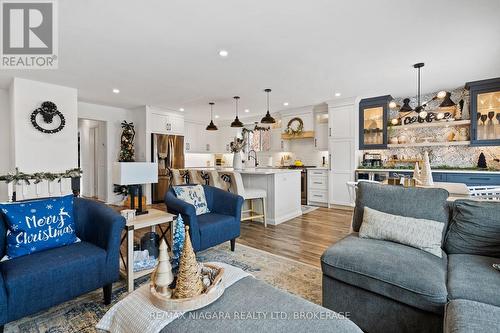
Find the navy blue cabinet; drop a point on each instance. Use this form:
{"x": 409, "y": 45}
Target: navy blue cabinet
{"x": 373, "y": 115}
{"x": 485, "y": 112}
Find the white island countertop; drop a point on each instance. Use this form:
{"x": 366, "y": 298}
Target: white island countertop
{"x": 252, "y": 171}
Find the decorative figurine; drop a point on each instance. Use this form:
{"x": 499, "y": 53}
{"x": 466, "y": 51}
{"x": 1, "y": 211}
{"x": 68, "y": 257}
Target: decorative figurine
{"x": 189, "y": 282}
{"x": 426, "y": 174}
{"x": 163, "y": 275}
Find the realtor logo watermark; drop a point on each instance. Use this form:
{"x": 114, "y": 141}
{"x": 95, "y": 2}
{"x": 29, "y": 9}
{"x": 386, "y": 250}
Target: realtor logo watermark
{"x": 29, "y": 34}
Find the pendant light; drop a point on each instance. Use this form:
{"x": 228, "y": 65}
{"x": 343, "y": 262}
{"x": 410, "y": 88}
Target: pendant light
{"x": 236, "y": 122}
{"x": 267, "y": 118}
{"x": 211, "y": 126}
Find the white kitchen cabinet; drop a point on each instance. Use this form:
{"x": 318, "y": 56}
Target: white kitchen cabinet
{"x": 342, "y": 149}
{"x": 317, "y": 187}
{"x": 225, "y": 136}
{"x": 166, "y": 123}
{"x": 277, "y": 143}
{"x": 321, "y": 131}
{"x": 191, "y": 137}
{"x": 341, "y": 122}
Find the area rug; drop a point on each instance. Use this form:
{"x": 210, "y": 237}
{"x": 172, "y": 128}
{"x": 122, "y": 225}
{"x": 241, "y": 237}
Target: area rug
{"x": 82, "y": 313}
{"x": 307, "y": 209}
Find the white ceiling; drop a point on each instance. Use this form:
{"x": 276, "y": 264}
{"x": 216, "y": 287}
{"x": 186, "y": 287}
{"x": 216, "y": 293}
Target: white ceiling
{"x": 165, "y": 53}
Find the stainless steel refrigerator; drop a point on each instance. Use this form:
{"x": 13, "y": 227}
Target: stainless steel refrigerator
{"x": 168, "y": 152}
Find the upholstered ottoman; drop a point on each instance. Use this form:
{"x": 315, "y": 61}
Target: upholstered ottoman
{"x": 251, "y": 305}
{"x": 463, "y": 316}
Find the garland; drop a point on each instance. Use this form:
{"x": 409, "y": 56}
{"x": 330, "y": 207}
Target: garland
{"x": 18, "y": 177}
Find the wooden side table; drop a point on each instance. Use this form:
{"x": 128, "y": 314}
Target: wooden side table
{"x": 151, "y": 220}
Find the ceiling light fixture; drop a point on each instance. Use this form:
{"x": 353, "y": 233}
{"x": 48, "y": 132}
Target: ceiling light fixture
{"x": 247, "y": 110}
{"x": 181, "y": 109}
{"x": 116, "y": 91}
{"x": 236, "y": 122}
{"x": 211, "y": 126}
{"x": 285, "y": 104}
{"x": 267, "y": 118}
{"x": 223, "y": 53}
{"x": 216, "y": 116}
{"x": 337, "y": 94}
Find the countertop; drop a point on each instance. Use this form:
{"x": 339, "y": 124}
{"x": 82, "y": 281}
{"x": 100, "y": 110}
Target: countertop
{"x": 252, "y": 171}
{"x": 433, "y": 170}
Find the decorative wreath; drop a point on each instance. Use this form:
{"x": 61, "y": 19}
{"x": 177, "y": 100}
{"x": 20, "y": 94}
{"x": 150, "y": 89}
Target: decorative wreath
{"x": 48, "y": 110}
{"x": 295, "y": 126}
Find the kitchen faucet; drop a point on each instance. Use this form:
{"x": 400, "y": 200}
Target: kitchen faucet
{"x": 254, "y": 157}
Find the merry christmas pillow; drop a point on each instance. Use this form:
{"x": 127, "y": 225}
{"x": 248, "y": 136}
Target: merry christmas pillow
{"x": 38, "y": 225}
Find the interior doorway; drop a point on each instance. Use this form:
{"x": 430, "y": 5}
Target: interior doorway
{"x": 92, "y": 158}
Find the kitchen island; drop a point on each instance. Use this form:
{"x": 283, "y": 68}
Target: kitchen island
{"x": 282, "y": 186}
{"x": 283, "y": 192}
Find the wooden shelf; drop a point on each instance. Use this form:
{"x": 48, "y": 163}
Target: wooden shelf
{"x": 433, "y": 124}
{"x": 303, "y": 135}
{"x": 430, "y": 144}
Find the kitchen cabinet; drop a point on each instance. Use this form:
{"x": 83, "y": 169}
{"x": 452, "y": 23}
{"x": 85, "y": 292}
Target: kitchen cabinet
{"x": 166, "y": 123}
{"x": 277, "y": 143}
{"x": 373, "y": 115}
{"x": 226, "y": 135}
{"x": 317, "y": 187}
{"x": 191, "y": 137}
{"x": 321, "y": 131}
{"x": 485, "y": 112}
{"x": 340, "y": 122}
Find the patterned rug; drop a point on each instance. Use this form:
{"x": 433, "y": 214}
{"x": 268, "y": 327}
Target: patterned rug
{"x": 82, "y": 313}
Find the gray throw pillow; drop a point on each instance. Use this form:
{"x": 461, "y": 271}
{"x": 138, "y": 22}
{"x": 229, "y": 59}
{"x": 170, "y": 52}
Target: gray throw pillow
{"x": 422, "y": 234}
{"x": 474, "y": 228}
{"x": 420, "y": 203}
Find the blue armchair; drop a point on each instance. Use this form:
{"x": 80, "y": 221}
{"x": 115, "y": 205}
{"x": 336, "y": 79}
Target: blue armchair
{"x": 40, "y": 280}
{"x": 220, "y": 225}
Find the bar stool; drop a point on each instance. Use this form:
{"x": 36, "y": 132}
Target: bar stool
{"x": 195, "y": 177}
{"x": 249, "y": 194}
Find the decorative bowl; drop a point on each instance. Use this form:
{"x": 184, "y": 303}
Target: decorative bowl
{"x": 210, "y": 295}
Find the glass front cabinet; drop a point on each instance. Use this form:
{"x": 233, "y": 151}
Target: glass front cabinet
{"x": 373, "y": 115}
{"x": 485, "y": 112}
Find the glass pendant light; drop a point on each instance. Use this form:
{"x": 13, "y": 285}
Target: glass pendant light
{"x": 211, "y": 126}
{"x": 236, "y": 122}
{"x": 267, "y": 118}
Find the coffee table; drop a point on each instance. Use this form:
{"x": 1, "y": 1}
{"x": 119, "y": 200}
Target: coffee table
{"x": 155, "y": 218}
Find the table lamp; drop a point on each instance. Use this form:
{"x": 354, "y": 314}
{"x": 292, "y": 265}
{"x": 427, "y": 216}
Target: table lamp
{"x": 134, "y": 175}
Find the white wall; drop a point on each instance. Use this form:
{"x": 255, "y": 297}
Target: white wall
{"x": 36, "y": 151}
{"x": 113, "y": 118}
{"x": 4, "y": 140}
{"x": 199, "y": 160}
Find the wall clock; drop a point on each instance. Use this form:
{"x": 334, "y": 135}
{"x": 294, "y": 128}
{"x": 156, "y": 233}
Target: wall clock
{"x": 48, "y": 112}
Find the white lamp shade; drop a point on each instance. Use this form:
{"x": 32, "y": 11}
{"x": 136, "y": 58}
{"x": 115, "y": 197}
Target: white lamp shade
{"x": 135, "y": 173}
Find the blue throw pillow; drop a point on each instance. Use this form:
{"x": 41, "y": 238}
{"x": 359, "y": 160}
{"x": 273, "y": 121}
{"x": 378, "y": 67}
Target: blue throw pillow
{"x": 38, "y": 225}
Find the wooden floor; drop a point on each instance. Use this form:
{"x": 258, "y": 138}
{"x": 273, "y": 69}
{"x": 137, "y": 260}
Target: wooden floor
{"x": 304, "y": 238}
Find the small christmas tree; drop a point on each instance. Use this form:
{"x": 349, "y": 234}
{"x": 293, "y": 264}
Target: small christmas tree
{"x": 189, "y": 278}
{"x": 416, "y": 172}
{"x": 426, "y": 173}
{"x": 127, "y": 142}
{"x": 163, "y": 275}
{"x": 481, "y": 161}
{"x": 177, "y": 243}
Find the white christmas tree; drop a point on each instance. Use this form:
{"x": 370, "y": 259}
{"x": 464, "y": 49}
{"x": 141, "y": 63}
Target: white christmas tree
{"x": 164, "y": 275}
{"x": 426, "y": 174}
{"x": 416, "y": 172}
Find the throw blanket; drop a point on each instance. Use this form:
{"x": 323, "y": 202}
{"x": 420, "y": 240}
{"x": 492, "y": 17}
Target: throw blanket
{"x": 136, "y": 313}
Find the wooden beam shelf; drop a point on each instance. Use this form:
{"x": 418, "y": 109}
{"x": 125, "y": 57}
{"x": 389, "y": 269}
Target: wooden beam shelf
{"x": 433, "y": 124}
{"x": 303, "y": 135}
{"x": 430, "y": 144}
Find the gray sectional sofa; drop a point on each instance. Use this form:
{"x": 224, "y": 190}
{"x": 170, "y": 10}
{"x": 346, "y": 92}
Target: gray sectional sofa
{"x": 390, "y": 287}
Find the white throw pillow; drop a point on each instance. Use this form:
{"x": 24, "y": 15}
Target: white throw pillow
{"x": 422, "y": 234}
{"x": 194, "y": 195}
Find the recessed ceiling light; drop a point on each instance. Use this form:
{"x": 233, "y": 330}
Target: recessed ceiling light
{"x": 216, "y": 116}
{"x": 181, "y": 109}
{"x": 223, "y": 53}
{"x": 285, "y": 104}
{"x": 337, "y": 94}
{"x": 116, "y": 91}
{"x": 246, "y": 110}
